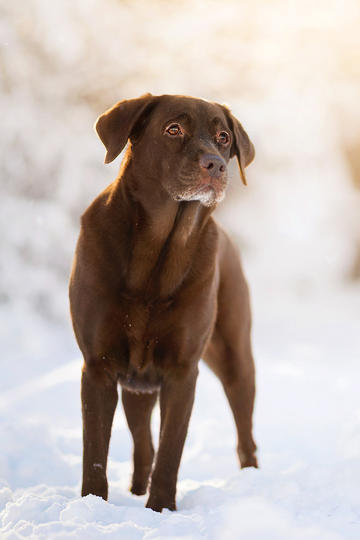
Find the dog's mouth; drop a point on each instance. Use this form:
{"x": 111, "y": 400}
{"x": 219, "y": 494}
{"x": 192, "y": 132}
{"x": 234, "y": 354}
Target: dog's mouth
{"x": 208, "y": 191}
{"x": 206, "y": 195}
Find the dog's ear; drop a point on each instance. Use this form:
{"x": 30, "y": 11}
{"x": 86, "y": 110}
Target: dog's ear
{"x": 242, "y": 147}
{"x": 115, "y": 125}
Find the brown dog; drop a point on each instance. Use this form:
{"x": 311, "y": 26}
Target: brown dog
{"x": 156, "y": 285}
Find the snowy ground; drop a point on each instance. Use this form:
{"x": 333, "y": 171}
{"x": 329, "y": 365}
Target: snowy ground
{"x": 307, "y": 426}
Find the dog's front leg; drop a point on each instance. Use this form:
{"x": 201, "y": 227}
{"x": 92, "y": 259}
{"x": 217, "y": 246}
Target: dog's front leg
{"x": 176, "y": 401}
{"x": 99, "y": 401}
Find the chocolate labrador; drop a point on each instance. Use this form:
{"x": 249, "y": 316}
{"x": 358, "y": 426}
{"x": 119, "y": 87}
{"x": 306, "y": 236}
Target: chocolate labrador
{"x": 156, "y": 285}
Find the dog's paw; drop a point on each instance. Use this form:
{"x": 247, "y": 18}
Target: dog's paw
{"x": 138, "y": 488}
{"x": 157, "y": 503}
{"x": 250, "y": 461}
{"x": 247, "y": 455}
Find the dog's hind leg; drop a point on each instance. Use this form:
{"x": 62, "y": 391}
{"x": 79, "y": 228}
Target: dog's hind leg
{"x": 99, "y": 399}
{"x": 229, "y": 352}
{"x": 138, "y": 409}
{"x": 235, "y": 369}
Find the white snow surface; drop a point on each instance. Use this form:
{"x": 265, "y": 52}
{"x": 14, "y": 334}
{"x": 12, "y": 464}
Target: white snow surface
{"x": 307, "y": 426}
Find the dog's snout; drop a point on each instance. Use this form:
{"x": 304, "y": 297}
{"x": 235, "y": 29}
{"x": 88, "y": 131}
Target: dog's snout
{"x": 213, "y": 165}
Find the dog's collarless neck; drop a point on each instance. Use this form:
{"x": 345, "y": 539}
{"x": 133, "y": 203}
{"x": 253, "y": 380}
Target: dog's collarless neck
{"x": 164, "y": 240}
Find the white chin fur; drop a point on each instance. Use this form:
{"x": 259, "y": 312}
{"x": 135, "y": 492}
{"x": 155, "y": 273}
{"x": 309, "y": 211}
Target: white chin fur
{"x": 206, "y": 198}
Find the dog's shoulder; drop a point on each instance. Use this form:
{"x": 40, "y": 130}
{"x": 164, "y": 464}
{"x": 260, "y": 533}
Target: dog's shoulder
{"x": 98, "y": 208}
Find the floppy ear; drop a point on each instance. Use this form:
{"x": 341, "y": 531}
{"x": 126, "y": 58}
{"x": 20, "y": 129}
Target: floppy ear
{"x": 242, "y": 147}
{"x": 115, "y": 125}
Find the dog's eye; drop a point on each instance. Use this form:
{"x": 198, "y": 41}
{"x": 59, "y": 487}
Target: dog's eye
{"x": 174, "y": 130}
{"x": 223, "y": 138}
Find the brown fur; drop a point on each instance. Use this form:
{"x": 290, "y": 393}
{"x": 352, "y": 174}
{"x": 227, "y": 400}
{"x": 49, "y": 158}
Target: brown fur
{"x": 156, "y": 284}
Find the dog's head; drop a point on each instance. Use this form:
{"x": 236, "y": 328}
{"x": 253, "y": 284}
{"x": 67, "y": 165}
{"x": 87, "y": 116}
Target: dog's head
{"x": 183, "y": 143}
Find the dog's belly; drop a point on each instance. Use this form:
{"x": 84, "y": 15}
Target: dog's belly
{"x": 140, "y": 381}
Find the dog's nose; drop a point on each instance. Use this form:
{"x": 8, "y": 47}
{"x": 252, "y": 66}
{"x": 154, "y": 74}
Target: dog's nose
{"x": 213, "y": 165}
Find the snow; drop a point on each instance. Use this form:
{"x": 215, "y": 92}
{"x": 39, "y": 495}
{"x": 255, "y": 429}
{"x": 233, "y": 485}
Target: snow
{"x": 307, "y": 425}
{"x": 289, "y": 72}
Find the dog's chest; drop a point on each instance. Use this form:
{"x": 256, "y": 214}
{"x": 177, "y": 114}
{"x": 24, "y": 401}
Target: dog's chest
{"x": 147, "y": 330}
{"x": 161, "y": 334}
{"x": 145, "y": 322}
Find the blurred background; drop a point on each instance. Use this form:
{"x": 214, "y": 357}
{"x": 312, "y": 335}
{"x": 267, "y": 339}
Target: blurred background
{"x": 290, "y": 71}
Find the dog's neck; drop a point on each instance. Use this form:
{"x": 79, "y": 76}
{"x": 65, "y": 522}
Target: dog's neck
{"x": 165, "y": 234}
